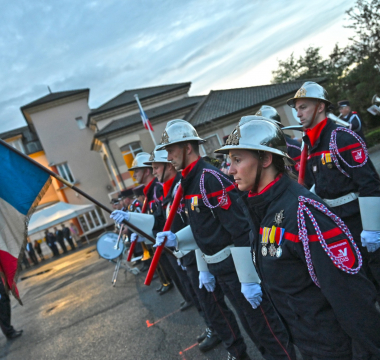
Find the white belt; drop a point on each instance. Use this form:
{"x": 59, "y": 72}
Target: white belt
{"x": 180, "y": 253}
{"x": 341, "y": 200}
{"x": 219, "y": 256}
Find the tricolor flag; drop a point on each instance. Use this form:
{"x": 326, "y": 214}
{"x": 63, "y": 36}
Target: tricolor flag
{"x": 22, "y": 185}
{"x": 144, "y": 118}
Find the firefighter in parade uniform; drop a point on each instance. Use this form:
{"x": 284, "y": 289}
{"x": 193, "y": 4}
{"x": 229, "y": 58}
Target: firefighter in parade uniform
{"x": 164, "y": 171}
{"x": 352, "y": 117}
{"x": 143, "y": 174}
{"x": 218, "y": 224}
{"x": 340, "y": 172}
{"x": 306, "y": 257}
{"x": 293, "y": 146}
{"x": 211, "y": 306}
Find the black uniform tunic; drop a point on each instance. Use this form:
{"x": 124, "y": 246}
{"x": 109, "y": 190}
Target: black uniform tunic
{"x": 330, "y": 183}
{"x": 136, "y": 206}
{"x": 356, "y": 123}
{"x": 322, "y": 320}
{"x": 211, "y": 306}
{"x": 294, "y": 151}
{"x": 213, "y": 231}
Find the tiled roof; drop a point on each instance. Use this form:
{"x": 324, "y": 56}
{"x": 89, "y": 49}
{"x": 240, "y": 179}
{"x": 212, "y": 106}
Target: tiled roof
{"x": 53, "y": 96}
{"x": 151, "y": 114}
{"x": 127, "y": 96}
{"x": 224, "y": 102}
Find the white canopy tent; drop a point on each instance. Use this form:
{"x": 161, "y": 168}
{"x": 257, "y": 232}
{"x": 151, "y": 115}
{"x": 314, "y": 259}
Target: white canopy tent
{"x": 54, "y": 215}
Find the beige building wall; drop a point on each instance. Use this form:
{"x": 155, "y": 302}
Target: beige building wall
{"x": 51, "y": 195}
{"x": 63, "y": 141}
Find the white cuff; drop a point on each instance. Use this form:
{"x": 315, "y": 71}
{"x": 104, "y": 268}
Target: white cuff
{"x": 244, "y": 265}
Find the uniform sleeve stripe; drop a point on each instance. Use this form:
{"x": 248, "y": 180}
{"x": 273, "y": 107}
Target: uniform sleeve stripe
{"x": 348, "y": 147}
{"x": 214, "y": 194}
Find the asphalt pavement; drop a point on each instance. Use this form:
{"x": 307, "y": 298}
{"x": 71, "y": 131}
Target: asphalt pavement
{"x": 71, "y": 311}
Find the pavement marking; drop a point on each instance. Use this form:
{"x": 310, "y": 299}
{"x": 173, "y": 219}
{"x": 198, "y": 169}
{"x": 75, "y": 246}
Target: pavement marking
{"x": 190, "y": 347}
{"x": 149, "y": 324}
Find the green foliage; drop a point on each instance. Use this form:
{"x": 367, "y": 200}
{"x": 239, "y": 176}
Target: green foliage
{"x": 373, "y": 137}
{"x": 352, "y": 73}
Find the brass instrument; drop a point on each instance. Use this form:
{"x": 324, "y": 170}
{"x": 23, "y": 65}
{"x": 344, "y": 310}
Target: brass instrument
{"x": 338, "y": 121}
{"x": 376, "y": 100}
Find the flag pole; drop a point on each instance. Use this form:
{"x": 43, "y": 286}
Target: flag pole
{"x": 142, "y": 112}
{"x": 79, "y": 191}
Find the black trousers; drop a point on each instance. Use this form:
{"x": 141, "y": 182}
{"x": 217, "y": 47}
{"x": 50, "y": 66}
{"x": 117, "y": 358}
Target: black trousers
{"x": 170, "y": 266}
{"x": 5, "y": 312}
{"x": 63, "y": 246}
{"x": 217, "y": 315}
{"x": 262, "y": 325}
{"x": 71, "y": 242}
{"x": 182, "y": 278}
{"x": 33, "y": 257}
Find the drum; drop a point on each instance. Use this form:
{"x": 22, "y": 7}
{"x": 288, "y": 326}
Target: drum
{"x": 106, "y": 246}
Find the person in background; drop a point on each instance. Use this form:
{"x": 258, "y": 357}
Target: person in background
{"x": 59, "y": 237}
{"x": 5, "y": 315}
{"x": 50, "y": 240}
{"x": 75, "y": 234}
{"x": 67, "y": 235}
{"x": 32, "y": 254}
{"x": 352, "y": 117}
{"x": 38, "y": 250}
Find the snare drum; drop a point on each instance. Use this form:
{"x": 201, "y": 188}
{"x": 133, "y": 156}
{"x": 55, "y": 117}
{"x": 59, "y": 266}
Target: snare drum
{"x": 106, "y": 246}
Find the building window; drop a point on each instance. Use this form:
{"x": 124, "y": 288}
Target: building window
{"x": 130, "y": 151}
{"x": 212, "y": 143}
{"x": 64, "y": 171}
{"x": 80, "y": 122}
{"x": 92, "y": 220}
{"x": 17, "y": 144}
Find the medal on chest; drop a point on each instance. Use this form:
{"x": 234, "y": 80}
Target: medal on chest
{"x": 273, "y": 236}
{"x": 264, "y": 241}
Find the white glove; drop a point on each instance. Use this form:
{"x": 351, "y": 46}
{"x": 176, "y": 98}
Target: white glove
{"x": 370, "y": 239}
{"x": 253, "y": 293}
{"x": 207, "y": 280}
{"x": 170, "y": 241}
{"x": 119, "y": 216}
{"x": 134, "y": 237}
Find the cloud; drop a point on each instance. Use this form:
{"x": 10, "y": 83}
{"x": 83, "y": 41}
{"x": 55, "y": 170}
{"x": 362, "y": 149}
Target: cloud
{"x": 110, "y": 46}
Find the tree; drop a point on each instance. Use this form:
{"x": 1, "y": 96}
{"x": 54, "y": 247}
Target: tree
{"x": 365, "y": 19}
{"x": 352, "y": 73}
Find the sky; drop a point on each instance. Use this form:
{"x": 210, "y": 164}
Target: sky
{"x": 110, "y": 46}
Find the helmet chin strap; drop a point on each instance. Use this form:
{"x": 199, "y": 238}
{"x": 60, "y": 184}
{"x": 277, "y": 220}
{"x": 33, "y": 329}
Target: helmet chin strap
{"x": 163, "y": 174}
{"x": 258, "y": 175}
{"x": 143, "y": 176}
{"x": 314, "y": 114}
{"x": 183, "y": 157}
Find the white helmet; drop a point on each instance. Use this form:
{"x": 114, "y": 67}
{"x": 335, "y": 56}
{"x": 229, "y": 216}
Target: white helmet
{"x": 310, "y": 90}
{"x": 139, "y": 161}
{"x": 158, "y": 156}
{"x": 257, "y": 134}
{"x": 178, "y": 131}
